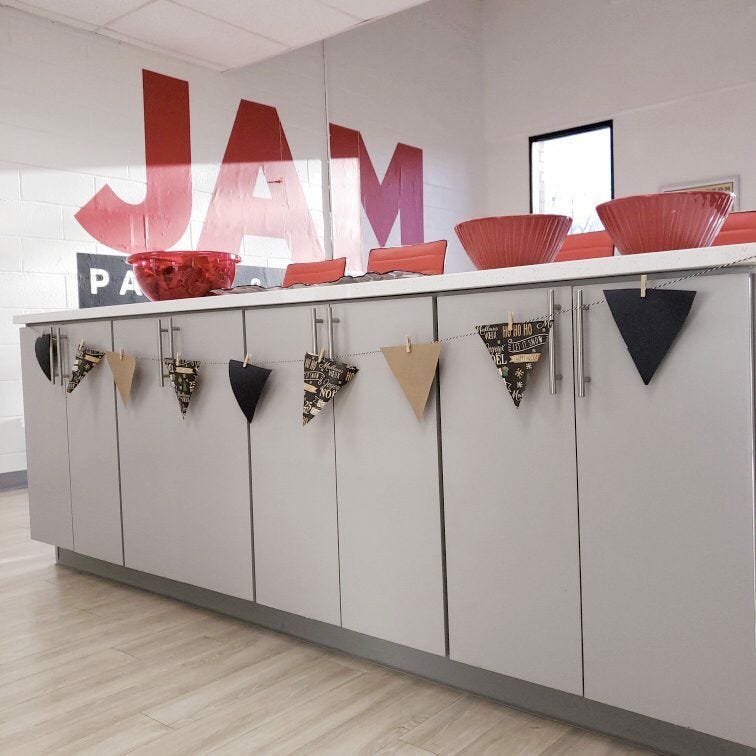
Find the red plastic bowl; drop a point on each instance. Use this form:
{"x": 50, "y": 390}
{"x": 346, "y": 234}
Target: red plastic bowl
{"x": 178, "y": 275}
{"x": 509, "y": 240}
{"x": 670, "y": 220}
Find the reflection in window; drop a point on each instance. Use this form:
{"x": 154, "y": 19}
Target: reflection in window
{"x": 571, "y": 173}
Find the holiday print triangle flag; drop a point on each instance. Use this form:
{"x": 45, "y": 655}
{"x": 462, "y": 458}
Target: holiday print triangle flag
{"x": 184, "y": 376}
{"x": 122, "y": 366}
{"x": 517, "y": 352}
{"x": 247, "y": 382}
{"x": 649, "y": 324}
{"x": 86, "y": 359}
{"x": 324, "y": 377}
{"x": 414, "y": 368}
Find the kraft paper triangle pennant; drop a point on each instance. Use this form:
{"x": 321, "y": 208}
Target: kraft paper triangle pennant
{"x": 184, "y": 376}
{"x": 415, "y": 371}
{"x": 122, "y": 366}
{"x": 515, "y": 354}
{"x": 46, "y": 347}
{"x": 649, "y": 324}
{"x": 247, "y": 382}
{"x": 323, "y": 379}
{"x": 86, "y": 359}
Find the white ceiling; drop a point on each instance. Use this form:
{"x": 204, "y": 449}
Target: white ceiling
{"x": 221, "y": 34}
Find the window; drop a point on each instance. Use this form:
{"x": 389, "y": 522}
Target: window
{"x": 571, "y": 172}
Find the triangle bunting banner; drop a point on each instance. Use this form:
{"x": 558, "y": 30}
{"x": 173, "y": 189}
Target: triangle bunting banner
{"x": 184, "y": 375}
{"x": 515, "y": 354}
{"x": 247, "y": 382}
{"x": 649, "y": 324}
{"x": 122, "y": 366}
{"x": 86, "y": 359}
{"x": 414, "y": 369}
{"x": 323, "y": 379}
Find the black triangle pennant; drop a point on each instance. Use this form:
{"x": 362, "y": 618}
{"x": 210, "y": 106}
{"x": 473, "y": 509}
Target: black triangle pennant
{"x": 86, "y": 359}
{"x": 45, "y": 347}
{"x": 515, "y": 354}
{"x": 323, "y": 379}
{"x": 247, "y": 382}
{"x": 649, "y": 324}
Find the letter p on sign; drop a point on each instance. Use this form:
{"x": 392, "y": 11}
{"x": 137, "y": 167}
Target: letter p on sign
{"x": 98, "y": 279}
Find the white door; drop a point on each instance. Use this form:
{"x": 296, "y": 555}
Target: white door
{"x": 667, "y": 517}
{"x": 293, "y": 473}
{"x": 387, "y": 470}
{"x": 185, "y": 481}
{"x": 510, "y": 498}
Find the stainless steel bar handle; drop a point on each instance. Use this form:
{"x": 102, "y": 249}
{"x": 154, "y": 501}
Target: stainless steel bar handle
{"x": 331, "y": 321}
{"x": 171, "y": 343}
{"x": 580, "y": 353}
{"x": 315, "y": 321}
{"x": 552, "y": 345}
{"x": 52, "y": 355}
{"x": 60, "y": 358}
{"x": 161, "y": 331}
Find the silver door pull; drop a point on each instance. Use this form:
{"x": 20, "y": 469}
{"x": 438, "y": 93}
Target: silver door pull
{"x": 579, "y": 350}
{"x": 52, "y": 355}
{"x": 553, "y": 377}
{"x": 331, "y": 321}
{"x": 316, "y": 321}
{"x": 171, "y": 345}
{"x": 60, "y": 338}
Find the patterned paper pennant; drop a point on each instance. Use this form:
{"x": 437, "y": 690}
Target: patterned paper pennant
{"x": 122, "y": 366}
{"x": 247, "y": 382}
{"x": 184, "y": 375}
{"x": 323, "y": 378}
{"x": 515, "y": 355}
{"x": 415, "y": 371}
{"x": 649, "y": 324}
{"x": 86, "y": 359}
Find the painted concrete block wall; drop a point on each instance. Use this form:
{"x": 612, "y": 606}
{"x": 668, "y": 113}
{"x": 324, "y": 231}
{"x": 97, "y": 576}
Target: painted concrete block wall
{"x": 677, "y": 76}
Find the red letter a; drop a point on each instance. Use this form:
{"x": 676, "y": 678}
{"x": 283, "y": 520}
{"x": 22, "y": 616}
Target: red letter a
{"x": 159, "y": 221}
{"x": 258, "y": 142}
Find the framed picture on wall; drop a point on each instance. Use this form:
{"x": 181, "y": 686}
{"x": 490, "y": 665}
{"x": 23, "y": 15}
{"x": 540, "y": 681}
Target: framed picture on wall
{"x": 728, "y": 184}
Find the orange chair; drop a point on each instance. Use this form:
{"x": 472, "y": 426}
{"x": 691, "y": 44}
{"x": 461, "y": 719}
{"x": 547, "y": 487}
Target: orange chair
{"x": 323, "y": 271}
{"x": 415, "y": 258}
{"x": 584, "y": 246}
{"x": 738, "y": 228}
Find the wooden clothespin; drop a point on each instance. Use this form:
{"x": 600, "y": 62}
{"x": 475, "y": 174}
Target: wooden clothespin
{"x": 246, "y": 360}
{"x": 510, "y": 327}
{"x": 407, "y": 344}
{"x": 320, "y": 356}
{"x": 643, "y": 280}
{"x": 178, "y": 358}
{"x": 81, "y": 345}
{"x": 120, "y": 354}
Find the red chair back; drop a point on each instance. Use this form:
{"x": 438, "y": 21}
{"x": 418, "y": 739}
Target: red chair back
{"x": 323, "y": 271}
{"x": 585, "y": 246}
{"x": 738, "y": 228}
{"x": 416, "y": 258}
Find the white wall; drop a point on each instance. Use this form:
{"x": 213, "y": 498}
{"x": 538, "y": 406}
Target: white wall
{"x": 677, "y": 76}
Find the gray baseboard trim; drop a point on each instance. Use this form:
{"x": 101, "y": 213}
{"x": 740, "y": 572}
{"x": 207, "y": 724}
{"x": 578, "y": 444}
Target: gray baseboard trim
{"x": 537, "y": 699}
{"x": 12, "y": 480}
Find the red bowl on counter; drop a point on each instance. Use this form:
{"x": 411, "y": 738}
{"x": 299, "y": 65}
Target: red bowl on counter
{"x": 509, "y": 240}
{"x": 179, "y": 275}
{"x": 670, "y": 220}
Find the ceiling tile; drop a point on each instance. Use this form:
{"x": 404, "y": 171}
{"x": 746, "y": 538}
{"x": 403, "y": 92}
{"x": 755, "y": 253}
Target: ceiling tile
{"x": 367, "y": 9}
{"x": 187, "y": 32}
{"x": 88, "y": 12}
{"x": 292, "y": 22}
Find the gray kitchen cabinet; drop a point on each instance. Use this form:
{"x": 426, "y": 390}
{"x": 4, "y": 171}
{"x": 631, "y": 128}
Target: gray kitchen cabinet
{"x": 185, "y": 481}
{"x": 387, "y": 470}
{"x": 293, "y": 473}
{"x": 71, "y": 446}
{"x": 667, "y": 516}
{"x": 510, "y": 500}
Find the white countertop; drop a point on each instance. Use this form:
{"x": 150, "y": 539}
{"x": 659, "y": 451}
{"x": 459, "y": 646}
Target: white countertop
{"x": 577, "y": 270}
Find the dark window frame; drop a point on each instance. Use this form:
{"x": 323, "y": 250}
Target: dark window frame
{"x": 565, "y": 133}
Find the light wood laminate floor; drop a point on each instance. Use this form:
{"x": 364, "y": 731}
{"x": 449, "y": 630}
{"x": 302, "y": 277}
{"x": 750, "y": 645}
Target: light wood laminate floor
{"x": 88, "y": 666}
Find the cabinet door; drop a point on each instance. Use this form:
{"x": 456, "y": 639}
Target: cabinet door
{"x": 293, "y": 476}
{"x": 667, "y": 517}
{"x": 185, "y": 482}
{"x": 388, "y": 483}
{"x": 93, "y": 448}
{"x": 510, "y": 499}
{"x": 46, "y": 448}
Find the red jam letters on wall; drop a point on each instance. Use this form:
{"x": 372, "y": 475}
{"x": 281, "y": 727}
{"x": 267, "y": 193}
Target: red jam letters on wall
{"x": 353, "y": 179}
{"x": 258, "y": 142}
{"x": 160, "y": 221}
